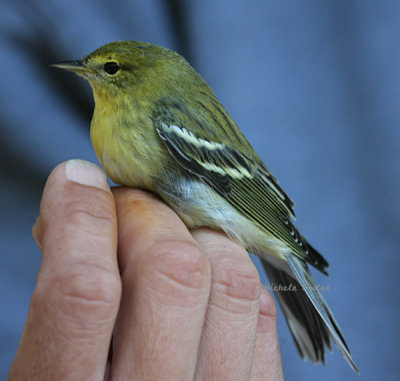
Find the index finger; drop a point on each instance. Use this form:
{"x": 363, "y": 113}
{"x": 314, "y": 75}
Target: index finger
{"x": 165, "y": 289}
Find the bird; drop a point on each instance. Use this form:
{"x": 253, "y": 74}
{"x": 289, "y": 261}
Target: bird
{"x": 157, "y": 125}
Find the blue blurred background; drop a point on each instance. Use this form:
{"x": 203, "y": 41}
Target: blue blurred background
{"x": 314, "y": 85}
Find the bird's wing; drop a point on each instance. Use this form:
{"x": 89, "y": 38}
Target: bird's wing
{"x": 242, "y": 179}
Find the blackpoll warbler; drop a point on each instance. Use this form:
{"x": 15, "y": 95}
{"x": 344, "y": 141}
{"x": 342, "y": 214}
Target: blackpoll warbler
{"x": 157, "y": 125}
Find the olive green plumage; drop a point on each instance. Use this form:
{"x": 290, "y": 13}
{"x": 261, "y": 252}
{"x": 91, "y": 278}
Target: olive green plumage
{"x": 159, "y": 126}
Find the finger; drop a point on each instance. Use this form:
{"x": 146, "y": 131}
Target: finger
{"x": 228, "y": 340}
{"x": 35, "y": 233}
{"x": 267, "y": 359}
{"x": 74, "y": 305}
{"x": 165, "y": 289}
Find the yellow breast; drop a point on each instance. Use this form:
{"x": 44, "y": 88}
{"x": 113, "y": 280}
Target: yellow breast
{"x": 126, "y": 142}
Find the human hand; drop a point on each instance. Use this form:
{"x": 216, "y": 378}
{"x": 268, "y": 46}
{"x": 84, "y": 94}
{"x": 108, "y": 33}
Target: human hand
{"x": 120, "y": 264}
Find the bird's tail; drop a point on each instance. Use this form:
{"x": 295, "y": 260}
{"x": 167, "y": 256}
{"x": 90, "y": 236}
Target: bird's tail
{"x": 307, "y": 314}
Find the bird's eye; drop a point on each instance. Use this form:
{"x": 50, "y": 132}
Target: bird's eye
{"x": 111, "y": 67}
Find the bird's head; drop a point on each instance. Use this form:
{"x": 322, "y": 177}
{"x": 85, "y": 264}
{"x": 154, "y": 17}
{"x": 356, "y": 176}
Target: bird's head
{"x": 124, "y": 67}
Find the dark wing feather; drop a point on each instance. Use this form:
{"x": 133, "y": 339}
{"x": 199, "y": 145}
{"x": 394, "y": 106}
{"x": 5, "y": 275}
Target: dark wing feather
{"x": 243, "y": 180}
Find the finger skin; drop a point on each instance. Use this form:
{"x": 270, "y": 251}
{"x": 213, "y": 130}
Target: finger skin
{"x": 166, "y": 284}
{"x": 229, "y": 334}
{"x": 75, "y": 303}
{"x": 267, "y": 364}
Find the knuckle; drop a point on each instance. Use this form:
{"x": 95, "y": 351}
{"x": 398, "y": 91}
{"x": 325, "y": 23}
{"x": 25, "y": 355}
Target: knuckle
{"x": 267, "y": 314}
{"x": 85, "y": 293}
{"x": 235, "y": 285}
{"x": 90, "y": 211}
{"x": 267, "y": 305}
{"x": 183, "y": 267}
{"x": 90, "y": 283}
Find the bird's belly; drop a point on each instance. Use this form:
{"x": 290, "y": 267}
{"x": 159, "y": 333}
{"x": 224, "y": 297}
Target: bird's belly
{"x": 128, "y": 169}
{"x": 200, "y": 206}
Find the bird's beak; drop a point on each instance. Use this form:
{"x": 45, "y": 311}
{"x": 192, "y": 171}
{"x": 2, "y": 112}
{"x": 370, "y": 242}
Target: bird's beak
{"x": 75, "y": 66}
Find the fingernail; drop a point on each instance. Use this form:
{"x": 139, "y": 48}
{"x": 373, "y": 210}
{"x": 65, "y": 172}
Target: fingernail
{"x": 86, "y": 173}
{"x": 35, "y": 234}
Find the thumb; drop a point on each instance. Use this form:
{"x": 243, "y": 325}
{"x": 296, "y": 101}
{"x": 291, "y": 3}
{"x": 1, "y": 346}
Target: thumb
{"x": 75, "y": 303}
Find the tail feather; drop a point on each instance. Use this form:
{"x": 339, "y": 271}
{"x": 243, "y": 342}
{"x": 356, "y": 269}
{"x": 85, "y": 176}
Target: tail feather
{"x": 309, "y": 318}
{"x": 307, "y": 328}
